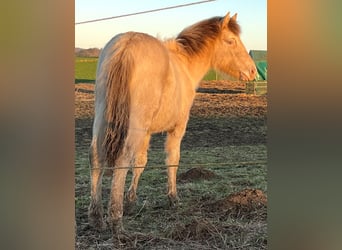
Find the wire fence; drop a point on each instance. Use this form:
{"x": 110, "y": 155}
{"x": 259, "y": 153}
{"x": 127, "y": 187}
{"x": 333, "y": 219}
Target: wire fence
{"x": 212, "y": 165}
{"x": 144, "y": 12}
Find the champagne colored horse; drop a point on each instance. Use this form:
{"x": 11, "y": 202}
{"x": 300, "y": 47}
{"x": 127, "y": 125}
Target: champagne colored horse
{"x": 146, "y": 86}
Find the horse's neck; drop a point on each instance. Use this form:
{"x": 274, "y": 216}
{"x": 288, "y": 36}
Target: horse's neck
{"x": 197, "y": 67}
{"x": 193, "y": 66}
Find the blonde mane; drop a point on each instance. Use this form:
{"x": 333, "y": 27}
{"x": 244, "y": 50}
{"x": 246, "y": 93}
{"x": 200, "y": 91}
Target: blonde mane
{"x": 196, "y": 38}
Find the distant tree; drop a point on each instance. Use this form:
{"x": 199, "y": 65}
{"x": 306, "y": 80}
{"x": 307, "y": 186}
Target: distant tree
{"x": 92, "y": 52}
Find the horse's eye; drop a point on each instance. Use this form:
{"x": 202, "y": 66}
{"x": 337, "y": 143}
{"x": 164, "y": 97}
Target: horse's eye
{"x": 230, "y": 41}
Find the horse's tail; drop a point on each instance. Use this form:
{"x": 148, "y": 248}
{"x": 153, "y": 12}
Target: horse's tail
{"x": 117, "y": 110}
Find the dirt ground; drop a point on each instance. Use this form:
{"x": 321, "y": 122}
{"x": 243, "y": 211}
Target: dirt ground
{"x": 245, "y": 114}
{"x": 222, "y": 118}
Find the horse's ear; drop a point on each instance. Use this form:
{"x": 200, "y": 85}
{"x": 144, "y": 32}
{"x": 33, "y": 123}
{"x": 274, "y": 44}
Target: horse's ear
{"x": 234, "y": 17}
{"x": 225, "y": 20}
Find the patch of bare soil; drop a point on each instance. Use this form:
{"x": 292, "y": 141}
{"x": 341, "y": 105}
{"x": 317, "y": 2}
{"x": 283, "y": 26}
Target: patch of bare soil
{"x": 242, "y": 203}
{"x": 196, "y": 174}
{"x": 226, "y": 98}
{"x": 213, "y": 99}
{"x": 248, "y": 198}
{"x": 84, "y": 101}
{"x": 244, "y": 116}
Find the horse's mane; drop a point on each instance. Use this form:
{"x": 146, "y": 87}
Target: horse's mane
{"x": 195, "y": 38}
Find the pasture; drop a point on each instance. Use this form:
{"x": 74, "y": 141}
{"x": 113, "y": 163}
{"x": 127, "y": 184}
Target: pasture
{"x": 222, "y": 178}
{"x": 85, "y": 71}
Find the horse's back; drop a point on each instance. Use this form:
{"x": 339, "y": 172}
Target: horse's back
{"x": 147, "y": 52}
{"x": 151, "y": 59}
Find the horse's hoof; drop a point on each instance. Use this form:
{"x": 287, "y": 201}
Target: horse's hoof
{"x": 173, "y": 201}
{"x": 117, "y": 227}
{"x": 122, "y": 234}
{"x": 95, "y": 218}
{"x": 129, "y": 204}
{"x": 129, "y": 207}
{"x": 96, "y": 222}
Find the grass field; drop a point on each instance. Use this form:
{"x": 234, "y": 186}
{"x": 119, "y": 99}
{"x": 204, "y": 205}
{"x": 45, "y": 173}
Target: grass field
{"x": 85, "y": 71}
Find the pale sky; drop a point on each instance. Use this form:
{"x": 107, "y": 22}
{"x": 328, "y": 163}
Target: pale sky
{"x": 252, "y": 17}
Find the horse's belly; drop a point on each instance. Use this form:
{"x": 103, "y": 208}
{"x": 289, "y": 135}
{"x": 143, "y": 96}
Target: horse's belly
{"x": 165, "y": 120}
{"x": 174, "y": 111}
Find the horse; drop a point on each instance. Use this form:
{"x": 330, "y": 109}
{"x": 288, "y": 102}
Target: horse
{"x": 146, "y": 86}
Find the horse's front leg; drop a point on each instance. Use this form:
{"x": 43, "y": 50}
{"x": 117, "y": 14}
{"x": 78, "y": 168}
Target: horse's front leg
{"x": 139, "y": 166}
{"x": 172, "y": 147}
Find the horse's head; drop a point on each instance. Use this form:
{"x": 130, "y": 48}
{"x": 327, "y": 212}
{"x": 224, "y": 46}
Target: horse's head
{"x": 230, "y": 55}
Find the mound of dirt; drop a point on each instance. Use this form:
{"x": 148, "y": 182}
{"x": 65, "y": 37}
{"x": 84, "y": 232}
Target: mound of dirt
{"x": 248, "y": 197}
{"x": 246, "y": 200}
{"x": 196, "y": 174}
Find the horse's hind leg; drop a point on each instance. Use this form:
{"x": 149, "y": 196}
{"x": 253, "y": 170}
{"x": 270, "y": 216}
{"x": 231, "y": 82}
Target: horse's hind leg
{"x": 139, "y": 166}
{"x": 115, "y": 208}
{"x": 96, "y": 158}
{"x": 133, "y": 141}
{"x": 172, "y": 147}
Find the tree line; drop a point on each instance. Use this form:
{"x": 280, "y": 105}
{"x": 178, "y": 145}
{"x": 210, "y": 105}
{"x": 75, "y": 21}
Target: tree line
{"x": 92, "y": 52}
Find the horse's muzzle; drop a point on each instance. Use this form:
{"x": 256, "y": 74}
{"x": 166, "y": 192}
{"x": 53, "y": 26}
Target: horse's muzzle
{"x": 248, "y": 75}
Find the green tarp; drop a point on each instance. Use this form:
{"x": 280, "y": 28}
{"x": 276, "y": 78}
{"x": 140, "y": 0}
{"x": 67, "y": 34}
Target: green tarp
{"x": 262, "y": 70}
{"x": 260, "y": 59}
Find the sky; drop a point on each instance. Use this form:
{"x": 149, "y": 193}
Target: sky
{"x": 252, "y": 17}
